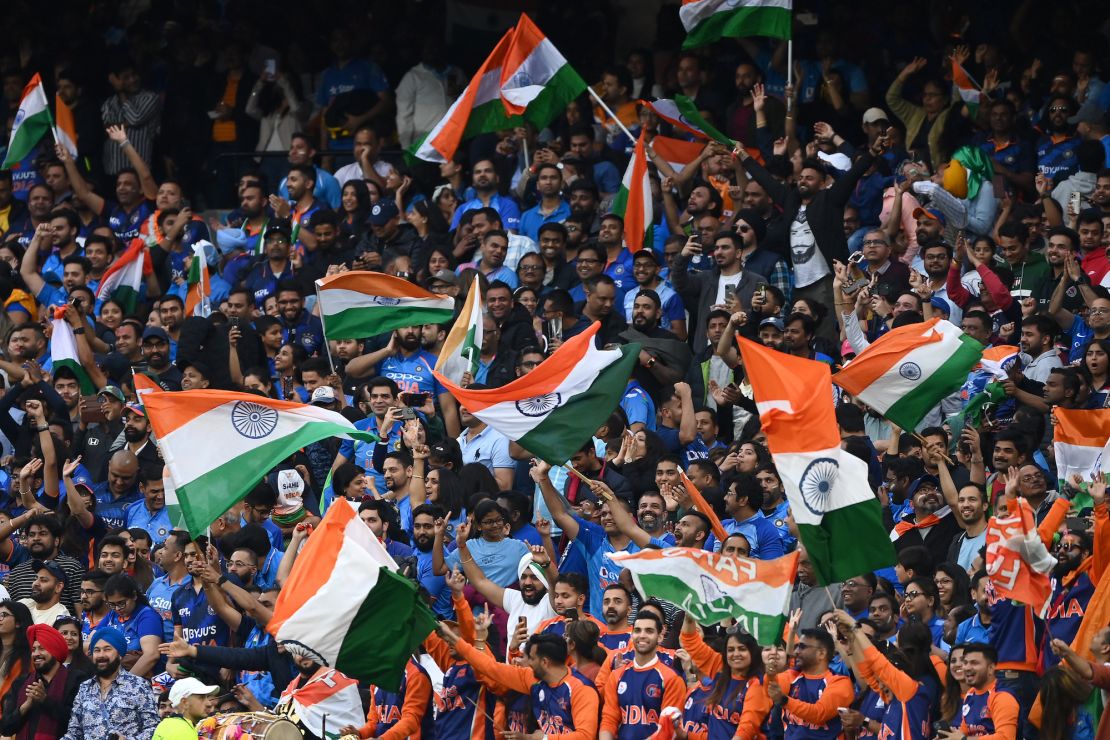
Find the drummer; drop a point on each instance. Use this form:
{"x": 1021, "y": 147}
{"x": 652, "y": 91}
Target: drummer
{"x": 189, "y": 699}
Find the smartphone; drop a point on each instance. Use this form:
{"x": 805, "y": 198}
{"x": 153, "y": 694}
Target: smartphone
{"x": 91, "y": 411}
{"x": 233, "y": 321}
{"x": 571, "y": 615}
{"x": 414, "y": 399}
{"x": 942, "y": 725}
{"x": 270, "y": 68}
{"x": 407, "y": 413}
{"x": 730, "y": 293}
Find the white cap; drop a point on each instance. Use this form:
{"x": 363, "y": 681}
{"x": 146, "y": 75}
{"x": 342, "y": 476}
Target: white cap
{"x": 186, "y": 687}
{"x": 322, "y": 394}
{"x": 871, "y": 115}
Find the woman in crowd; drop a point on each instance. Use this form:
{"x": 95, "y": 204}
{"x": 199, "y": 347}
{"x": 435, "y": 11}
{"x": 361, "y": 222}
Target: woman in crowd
{"x": 738, "y": 703}
{"x": 953, "y": 587}
{"x": 131, "y": 614}
{"x": 15, "y": 652}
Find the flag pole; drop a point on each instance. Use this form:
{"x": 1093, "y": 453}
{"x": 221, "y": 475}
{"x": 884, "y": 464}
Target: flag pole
{"x": 612, "y": 115}
{"x": 789, "y": 70}
{"x": 327, "y": 346}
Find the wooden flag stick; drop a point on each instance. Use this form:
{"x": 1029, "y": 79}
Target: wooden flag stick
{"x": 925, "y": 444}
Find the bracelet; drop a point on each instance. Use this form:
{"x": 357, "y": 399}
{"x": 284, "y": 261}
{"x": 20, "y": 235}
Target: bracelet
{"x": 221, "y": 580}
{"x": 43, "y": 428}
{"x": 464, "y": 562}
{"x": 414, "y": 475}
{"x": 124, "y": 143}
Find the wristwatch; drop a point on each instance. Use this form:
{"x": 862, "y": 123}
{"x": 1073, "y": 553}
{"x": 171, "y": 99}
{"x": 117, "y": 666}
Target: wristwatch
{"x": 650, "y": 363}
{"x": 79, "y": 330}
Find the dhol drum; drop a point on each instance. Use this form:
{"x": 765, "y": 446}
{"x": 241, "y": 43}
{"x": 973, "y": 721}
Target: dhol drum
{"x": 248, "y": 726}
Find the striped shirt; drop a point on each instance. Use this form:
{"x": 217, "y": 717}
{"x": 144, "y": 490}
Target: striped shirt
{"x": 141, "y": 114}
{"x": 21, "y": 577}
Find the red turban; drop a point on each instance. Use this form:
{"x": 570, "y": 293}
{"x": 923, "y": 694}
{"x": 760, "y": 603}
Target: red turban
{"x": 50, "y": 639}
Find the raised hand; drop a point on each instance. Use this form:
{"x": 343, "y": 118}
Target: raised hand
{"x": 70, "y": 466}
{"x": 759, "y": 96}
{"x": 117, "y": 133}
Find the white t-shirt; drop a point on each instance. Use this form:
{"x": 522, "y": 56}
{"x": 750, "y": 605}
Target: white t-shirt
{"x": 723, "y": 282}
{"x": 45, "y": 616}
{"x": 809, "y": 264}
{"x": 514, "y": 604}
{"x": 353, "y": 171}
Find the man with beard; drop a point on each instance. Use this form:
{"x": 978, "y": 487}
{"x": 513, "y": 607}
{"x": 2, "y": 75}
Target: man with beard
{"x": 617, "y": 606}
{"x": 377, "y": 399}
{"x": 157, "y": 350}
{"x": 816, "y": 215}
{"x": 662, "y": 363}
{"x": 406, "y": 363}
{"x": 558, "y": 272}
{"x": 883, "y": 613}
{"x": 930, "y": 524}
{"x": 265, "y": 275}
{"x": 298, "y": 325}
{"x": 637, "y": 692}
{"x": 380, "y": 518}
{"x": 1060, "y": 244}
{"x": 743, "y": 501}
{"x": 677, "y": 426}
{"x": 988, "y": 708}
{"x": 120, "y": 488}
{"x": 568, "y": 597}
{"x": 424, "y": 520}
{"x": 775, "y": 506}
{"x": 645, "y": 271}
{"x": 94, "y": 610}
{"x": 514, "y": 323}
{"x": 727, "y": 285}
{"x": 741, "y": 115}
{"x": 580, "y": 151}
{"x": 1056, "y": 149}
{"x": 27, "y": 343}
{"x": 43, "y": 537}
{"x": 692, "y": 530}
{"x": 601, "y": 298}
{"x": 314, "y": 688}
{"x": 584, "y": 203}
{"x": 485, "y": 183}
{"x": 114, "y": 701}
{"x": 1073, "y": 580}
{"x": 970, "y": 504}
{"x": 551, "y": 208}
{"x": 46, "y": 593}
{"x": 40, "y": 706}
{"x": 651, "y": 515}
{"x": 246, "y": 238}
{"x": 529, "y": 603}
{"x": 977, "y": 629}
{"x": 150, "y": 514}
{"x": 136, "y": 436}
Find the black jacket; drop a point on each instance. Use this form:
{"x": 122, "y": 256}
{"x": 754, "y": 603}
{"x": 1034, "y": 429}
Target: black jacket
{"x": 825, "y": 213}
{"x": 264, "y": 658}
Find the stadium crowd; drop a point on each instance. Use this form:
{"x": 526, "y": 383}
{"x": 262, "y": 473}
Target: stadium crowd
{"x": 867, "y": 195}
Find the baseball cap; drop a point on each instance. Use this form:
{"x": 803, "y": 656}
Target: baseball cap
{"x": 135, "y": 409}
{"x": 290, "y": 491}
{"x": 114, "y": 392}
{"x": 874, "y": 115}
{"x": 50, "y": 565}
{"x": 932, "y": 213}
{"x": 156, "y": 332}
{"x": 323, "y": 395}
{"x": 382, "y": 212}
{"x": 197, "y": 365}
{"x": 1089, "y": 112}
{"x": 185, "y": 687}
{"x": 444, "y": 276}
{"x": 278, "y": 229}
{"x": 774, "y": 321}
{"x": 649, "y": 253}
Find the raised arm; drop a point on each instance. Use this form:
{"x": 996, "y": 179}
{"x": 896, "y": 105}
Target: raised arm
{"x": 474, "y": 573}
{"x": 555, "y": 504}
{"x": 80, "y": 187}
{"x": 118, "y": 134}
{"x": 622, "y": 518}
{"x": 289, "y": 557}
{"x": 29, "y": 265}
{"x": 77, "y": 507}
{"x": 705, "y": 658}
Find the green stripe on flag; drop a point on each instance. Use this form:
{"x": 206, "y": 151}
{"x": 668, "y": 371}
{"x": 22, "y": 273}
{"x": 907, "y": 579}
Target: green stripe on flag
{"x": 127, "y": 297}
{"x": 205, "y": 499}
{"x": 28, "y": 133}
{"x": 909, "y": 410}
{"x": 835, "y": 548}
{"x": 87, "y": 386}
{"x": 359, "y": 323}
{"x": 380, "y": 640}
{"x": 693, "y": 116}
{"x": 745, "y": 21}
{"x": 563, "y": 87}
{"x": 567, "y": 428}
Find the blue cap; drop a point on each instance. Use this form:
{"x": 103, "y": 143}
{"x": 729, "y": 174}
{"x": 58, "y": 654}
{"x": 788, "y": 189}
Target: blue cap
{"x": 152, "y": 332}
{"x": 382, "y": 213}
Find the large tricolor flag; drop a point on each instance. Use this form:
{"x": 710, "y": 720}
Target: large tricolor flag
{"x": 63, "y": 351}
{"x": 32, "y": 121}
{"x": 198, "y": 298}
{"x": 123, "y": 280}
{"x": 708, "y": 20}
{"x": 1080, "y": 442}
{"x": 554, "y": 409}
{"x": 633, "y": 202}
{"x": 218, "y": 445}
{"x": 463, "y": 345}
{"x": 966, "y": 88}
{"x": 1017, "y": 562}
{"x": 359, "y": 304}
{"x": 684, "y": 115}
{"x": 839, "y": 518}
{"x": 711, "y": 587}
{"x": 909, "y": 370}
{"x": 345, "y": 605}
{"x": 324, "y": 704}
{"x": 65, "y": 128}
{"x": 525, "y": 78}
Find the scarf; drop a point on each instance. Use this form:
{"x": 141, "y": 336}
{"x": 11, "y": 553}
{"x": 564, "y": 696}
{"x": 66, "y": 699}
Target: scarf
{"x": 907, "y": 525}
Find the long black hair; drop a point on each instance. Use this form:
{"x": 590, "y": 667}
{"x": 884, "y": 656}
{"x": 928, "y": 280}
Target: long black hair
{"x": 451, "y": 497}
{"x": 20, "y": 647}
{"x": 721, "y": 680}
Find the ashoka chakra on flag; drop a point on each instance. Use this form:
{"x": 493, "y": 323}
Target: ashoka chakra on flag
{"x": 253, "y": 420}
{"x": 539, "y": 405}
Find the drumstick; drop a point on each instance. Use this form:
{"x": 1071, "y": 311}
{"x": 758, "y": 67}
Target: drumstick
{"x": 479, "y": 709}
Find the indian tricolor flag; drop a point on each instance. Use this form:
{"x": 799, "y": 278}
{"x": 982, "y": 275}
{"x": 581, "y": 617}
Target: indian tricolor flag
{"x": 198, "y": 301}
{"x": 554, "y": 409}
{"x": 32, "y": 121}
{"x": 676, "y": 152}
{"x": 345, "y": 605}
{"x": 65, "y": 128}
{"x": 63, "y": 351}
{"x": 968, "y": 91}
{"x": 1000, "y": 359}
{"x": 359, "y": 304}
{"x": 684, "y": 115}
{"x": 711, "y": 587}
{"x": 218, "y": 445}
{"x": 909, "y": 370}
{"x": 708, "y": 20}
{"x": 524, "y": 78}
{"x": 633, "y": 202}
{"x": 463, "y": 345}
{"x": 1080, "y": 440}
{"x": 123, "y": 280}
{"x": 839, "y": 519}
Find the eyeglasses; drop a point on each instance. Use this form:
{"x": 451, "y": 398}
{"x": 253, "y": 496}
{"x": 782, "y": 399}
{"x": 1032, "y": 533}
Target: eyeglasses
{"x": 1058, "y": 109}
{"x": 529, "y": 268}
{"x": 6, "y": 615}
{"x": 874, "y": 243}
{"x": 943, "y": 581}
{"x": 90, "y": 591}
{"x": 743, "y": 229}
{"x": 1032, "y": 477}
{"x": 241, "y": 564}
{"x": 1098, "y": 311}
{"x": 1069, "y": 547}
{"x": 914, "y": 594}
{"x": 492, "y": 523}
{"x": 736, "y": 629}
{"x": 851, "y": 584}
{"x": 117, "y": 605}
